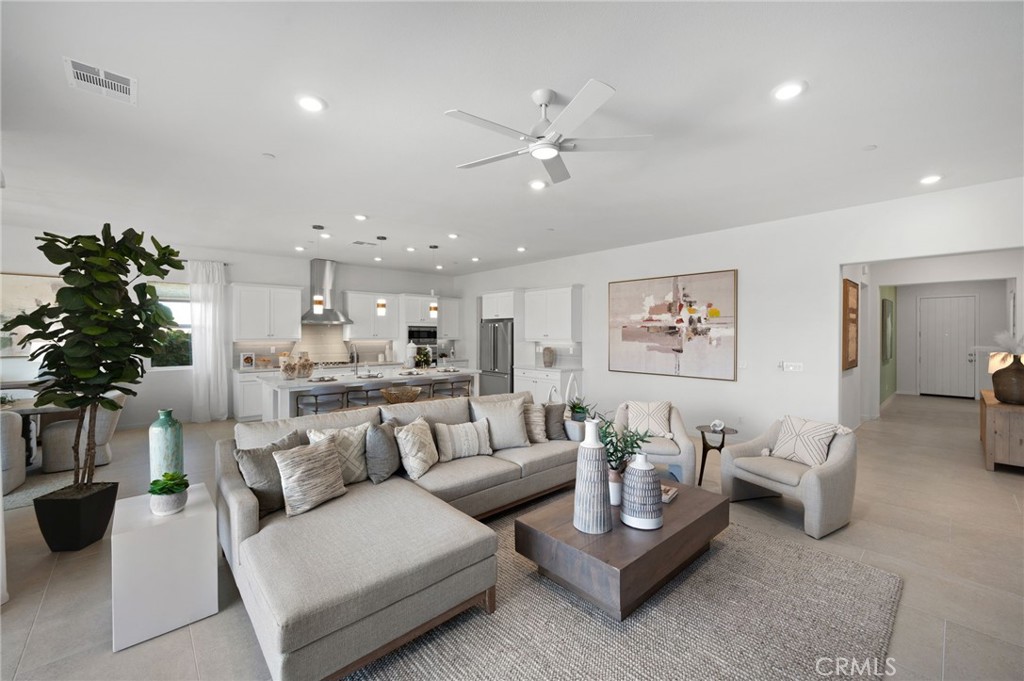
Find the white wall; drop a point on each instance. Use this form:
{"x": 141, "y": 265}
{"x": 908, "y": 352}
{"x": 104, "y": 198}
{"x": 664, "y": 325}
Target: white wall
{"x": 789, "y": 295}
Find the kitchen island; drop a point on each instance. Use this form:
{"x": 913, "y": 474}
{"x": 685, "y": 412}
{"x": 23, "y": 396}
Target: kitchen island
{"x": 279, "y": 393}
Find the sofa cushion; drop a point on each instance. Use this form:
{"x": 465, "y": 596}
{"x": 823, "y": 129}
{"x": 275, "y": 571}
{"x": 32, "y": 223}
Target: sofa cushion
{"x": 382, "y": 456}
{"x": 259, "y": 433}
{"x": 536, "y": 428}
{"x": 310, "y": 475}
{"x": 416, "y": 445}
{"x": 541, "y": 456}
{"x": 651, "y": 417}
{"x": 505, "y": 420}
{"x": 804, "y": 441}
{"x": 463, "y": 477}
{"x": 462, "y": 440}
{"x": 355, "y": 573}
{"x": 351, "y": 446}
{"x": 554, "y": 421}
{"x": 452, "y": 410}
{"x": 779, "y": 470}
{"x": 661, "y": 446}
{"x": 526, "y": 396}
{"x": 261, "y": 474}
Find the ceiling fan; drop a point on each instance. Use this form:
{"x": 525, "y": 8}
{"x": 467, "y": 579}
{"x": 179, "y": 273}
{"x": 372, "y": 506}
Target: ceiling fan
{"x": 547, "y": 140}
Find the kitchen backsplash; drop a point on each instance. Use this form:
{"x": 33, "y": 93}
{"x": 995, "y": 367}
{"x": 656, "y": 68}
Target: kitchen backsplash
{"x": 323, "y": 343}
{"x": 563, "y": 358}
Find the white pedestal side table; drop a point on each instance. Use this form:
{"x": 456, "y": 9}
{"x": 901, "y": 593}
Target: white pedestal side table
{"x": 163, "y": 569}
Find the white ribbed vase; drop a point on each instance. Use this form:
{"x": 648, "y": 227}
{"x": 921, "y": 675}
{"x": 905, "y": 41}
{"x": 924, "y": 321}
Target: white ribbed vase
{"x": 592, "y": 512}
{"x": 641, "y": 495}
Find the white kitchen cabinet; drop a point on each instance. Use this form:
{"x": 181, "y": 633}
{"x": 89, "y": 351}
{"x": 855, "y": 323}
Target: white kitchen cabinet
{"x": 266, "y": 312}
{"x": 417, "y": 310}
{"x": 247, "y": 397}
{"x": 541, "y": 381}
{"x": 361, "y": 308}
{"x": 449, "y": 320}
{"x": 553, "y": 315}
{"x": 499, "y": 305}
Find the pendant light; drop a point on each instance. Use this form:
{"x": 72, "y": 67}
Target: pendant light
{"x": 382, "y": 303}
{"x": 318, "y": 295}
{"x": 432, "y": 307}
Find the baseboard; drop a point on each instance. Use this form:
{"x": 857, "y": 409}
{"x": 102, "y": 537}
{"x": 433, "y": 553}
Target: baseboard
{"x": 885, "y": 404}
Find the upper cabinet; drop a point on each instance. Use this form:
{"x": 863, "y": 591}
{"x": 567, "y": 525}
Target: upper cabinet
{"x": 449, "y": 320}
{"x": 553, "y": 315}
{"x": 361, "y": 308}
{"x": 497, "y": 305}
{"x": 417, "y": 310}
{"x": 266, "y": 312}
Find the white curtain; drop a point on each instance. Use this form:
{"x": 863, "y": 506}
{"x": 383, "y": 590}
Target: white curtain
{"x": 207, "y": 289}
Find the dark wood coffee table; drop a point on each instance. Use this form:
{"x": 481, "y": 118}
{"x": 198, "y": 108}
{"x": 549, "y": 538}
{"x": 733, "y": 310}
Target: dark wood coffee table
{"x": 619, "y": 570}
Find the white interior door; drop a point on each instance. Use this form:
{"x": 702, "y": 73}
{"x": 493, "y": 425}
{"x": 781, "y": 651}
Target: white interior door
{"x": 946, "y": 329}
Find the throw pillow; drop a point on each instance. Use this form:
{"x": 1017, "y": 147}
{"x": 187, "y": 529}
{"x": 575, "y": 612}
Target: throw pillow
{"x": 804, "y": 441}
{"x": 382, "y": 457}
{"x": 650, "y": 416}
{"x": 554, "y": 421}
{"x": 261, "y": 474}
{"x": 351, "y": 444}
{"x": 462, "y": 440}
{"x": 505, "y": 419}
{"x": 536, "y": 428}
{"x": 416, "y": 446}
{"x": 310, "y": 475}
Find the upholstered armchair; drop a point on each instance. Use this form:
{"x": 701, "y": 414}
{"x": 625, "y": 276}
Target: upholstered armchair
{"x": 677, "y": 452}
{"x": 826, "y": 491}
{"x": 12, "y": 450}
{"x": 59, "y": 437}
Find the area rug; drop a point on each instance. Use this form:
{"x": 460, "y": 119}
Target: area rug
{"x": 752, "y": 607}
{"x": 36, "y": 484}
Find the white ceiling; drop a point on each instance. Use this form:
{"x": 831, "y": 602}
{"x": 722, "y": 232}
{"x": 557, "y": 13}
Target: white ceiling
{"x": 936, "y": 86}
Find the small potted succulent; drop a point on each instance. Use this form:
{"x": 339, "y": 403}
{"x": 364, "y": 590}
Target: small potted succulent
{"x": 169, "y": 494}
{"x": 578, "y": 409}
{"x": 619, "y": 448}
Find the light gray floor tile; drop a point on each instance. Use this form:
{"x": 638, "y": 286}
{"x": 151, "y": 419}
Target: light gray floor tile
{"x": 167, "y": 657}
{"x": 971, "y": 655}
{"x": 917, "y": 640}
{"x": 16, "y": 619}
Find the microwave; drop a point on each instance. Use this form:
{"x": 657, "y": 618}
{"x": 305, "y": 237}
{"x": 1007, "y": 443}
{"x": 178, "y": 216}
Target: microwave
{"x": 423, "y": 335}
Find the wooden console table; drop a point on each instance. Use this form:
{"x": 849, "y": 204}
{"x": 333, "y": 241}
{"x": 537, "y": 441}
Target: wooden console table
{"x": 1002, "y": 431}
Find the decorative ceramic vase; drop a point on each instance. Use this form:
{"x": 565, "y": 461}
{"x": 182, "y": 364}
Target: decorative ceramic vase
{"x": 549, "y": 357}
{"x": 168, "y": 504}
{"x": 615, "y": 486}
{"x": 592, "y": 512}
{"x": 166, "y": 447}
{"x": 575, "y": 430}
{"x": 289, "y": 370}
{"x": 1008, "y": 382}
{"x": 641, "y": 495}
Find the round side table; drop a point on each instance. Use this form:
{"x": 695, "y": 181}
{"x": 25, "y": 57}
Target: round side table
{"x": 704, "y": 430}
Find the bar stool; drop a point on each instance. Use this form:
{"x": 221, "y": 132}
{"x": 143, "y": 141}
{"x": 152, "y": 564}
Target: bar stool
{"x": 426, "y": 385}
{"x": 368, "y": 393}
{"x": 454, "y": 387}
{"x": 321, "y": 400}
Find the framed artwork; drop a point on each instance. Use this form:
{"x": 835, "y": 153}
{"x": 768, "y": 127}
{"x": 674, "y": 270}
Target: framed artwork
{"x": 888, "y": 330}
{"x": 681, "y": 325}
{"x": 851, "y": 323}
{"x": 22, "y": 293}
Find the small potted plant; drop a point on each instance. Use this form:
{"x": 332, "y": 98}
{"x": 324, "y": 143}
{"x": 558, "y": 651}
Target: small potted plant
{"x": 169, "y": 494}
{"x": 619, "y": 448}
{"x": 578, "y": 409}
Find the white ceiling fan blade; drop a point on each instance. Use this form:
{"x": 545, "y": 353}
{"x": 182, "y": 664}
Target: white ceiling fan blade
{"x": 492, "y": 159}
{"x": 556, "y": 169}
{"x": 628, "y": 143}
{"x": 583, "y": 105}
{"x": 489, "y": 125}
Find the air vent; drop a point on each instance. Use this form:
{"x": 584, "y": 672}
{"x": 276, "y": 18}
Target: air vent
{"x": 362, "y": 243}
{"x": 96, "y": 80}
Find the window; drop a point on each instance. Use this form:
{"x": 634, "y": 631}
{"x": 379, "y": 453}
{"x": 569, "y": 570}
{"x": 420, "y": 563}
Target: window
{"x": 177, "y": 350}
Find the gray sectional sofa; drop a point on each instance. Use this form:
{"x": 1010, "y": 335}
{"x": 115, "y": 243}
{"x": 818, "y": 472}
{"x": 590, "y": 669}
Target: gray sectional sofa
{"x": 332, "y": 589}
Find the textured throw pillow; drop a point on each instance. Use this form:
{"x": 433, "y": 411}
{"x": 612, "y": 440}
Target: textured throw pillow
{"x": 261, "y": 474}
{"x": 554, "y": 421}
{"x": 650, "y": 416}
{"x": 351, "y": 444}
{"x": 416, "y": 446}
{"x": 804, "y": 441}
{"x": 310, "y": 475}
{"x": 536, "y": 428}
{"x": 382, "y": 457}
{"x": 505, "y": 419}
{"x": 462, "y": 440}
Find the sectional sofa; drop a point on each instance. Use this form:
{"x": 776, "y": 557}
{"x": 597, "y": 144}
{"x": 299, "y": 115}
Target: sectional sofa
{"x": 332, "y": 589}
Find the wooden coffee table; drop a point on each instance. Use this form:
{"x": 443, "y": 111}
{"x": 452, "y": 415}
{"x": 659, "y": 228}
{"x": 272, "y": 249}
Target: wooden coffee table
{"x": 619, "y": 570}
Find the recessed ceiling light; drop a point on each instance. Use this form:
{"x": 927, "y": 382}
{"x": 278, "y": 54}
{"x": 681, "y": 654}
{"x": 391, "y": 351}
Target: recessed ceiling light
{"x": 440, "y": 267}
{"x": 931, "y": 179}
{"x": 312, "y": 103}
{"x": 267, "y": 155}
{"x": 359, "y": 217}
{"x": 300, "y": 248}
{"x": 789, "y": 90}
{"x": 869, "y": 147}
{"x": 521, "y": 249}
{"x": 538, "y": 184}
{"x": 453, "y": 236}
{"x": 377, "y": 258}
{"x": 325, "y": 235}
{"x": 475, "y": 259}
{"x": 410, "y": 249}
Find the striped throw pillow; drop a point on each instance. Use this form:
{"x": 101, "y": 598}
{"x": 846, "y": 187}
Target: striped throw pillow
{"x": 536, "y": 427}
{"x": 462, "y": 440}
{"x": 310, "y": 475}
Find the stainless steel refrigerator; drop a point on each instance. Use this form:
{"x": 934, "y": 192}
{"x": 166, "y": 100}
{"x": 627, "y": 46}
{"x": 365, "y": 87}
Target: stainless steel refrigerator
{"x": 495, "y": 356}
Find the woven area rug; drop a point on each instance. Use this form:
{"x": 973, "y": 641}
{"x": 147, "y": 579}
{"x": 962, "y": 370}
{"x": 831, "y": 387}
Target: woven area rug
{"x": 752, "y": 607}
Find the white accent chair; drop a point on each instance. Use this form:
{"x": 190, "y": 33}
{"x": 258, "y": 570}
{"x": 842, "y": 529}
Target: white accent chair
{"x": 677, "y": 452}
{"x": 59, "y": 437}
{"x": 12, "y": 451}
{"x": 826, "y": 491}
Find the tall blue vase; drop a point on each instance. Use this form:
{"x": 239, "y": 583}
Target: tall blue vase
{"x": 166, "y": 446}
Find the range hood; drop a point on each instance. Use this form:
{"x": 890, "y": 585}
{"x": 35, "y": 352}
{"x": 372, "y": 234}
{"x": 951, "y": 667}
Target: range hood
{"x": 321, "y": 291}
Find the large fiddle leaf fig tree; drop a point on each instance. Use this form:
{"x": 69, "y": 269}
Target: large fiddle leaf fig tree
{"x": 104, "y": 322}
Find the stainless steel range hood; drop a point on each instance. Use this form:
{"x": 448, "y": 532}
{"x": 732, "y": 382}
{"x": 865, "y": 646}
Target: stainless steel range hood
{"x": 321, "y": 292}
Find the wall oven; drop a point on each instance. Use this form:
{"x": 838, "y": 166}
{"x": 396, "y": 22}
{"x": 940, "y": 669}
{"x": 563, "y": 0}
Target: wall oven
{"x": 423, "y": 335}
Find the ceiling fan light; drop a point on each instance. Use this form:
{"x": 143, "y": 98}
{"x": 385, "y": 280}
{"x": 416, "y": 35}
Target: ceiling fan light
{"x": 543, "y": 151}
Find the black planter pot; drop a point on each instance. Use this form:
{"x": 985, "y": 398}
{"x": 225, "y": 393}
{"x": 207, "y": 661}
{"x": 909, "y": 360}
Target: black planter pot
{"x": 1008, "y": 382}
{"x": 72, "y": 522}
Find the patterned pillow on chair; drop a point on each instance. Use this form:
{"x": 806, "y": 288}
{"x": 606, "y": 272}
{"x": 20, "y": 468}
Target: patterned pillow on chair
{"x": 804, "y": 441}
{"x": 649, "y": 416}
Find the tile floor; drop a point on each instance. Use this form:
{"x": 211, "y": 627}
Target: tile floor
{"x": 925, "y": 508}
